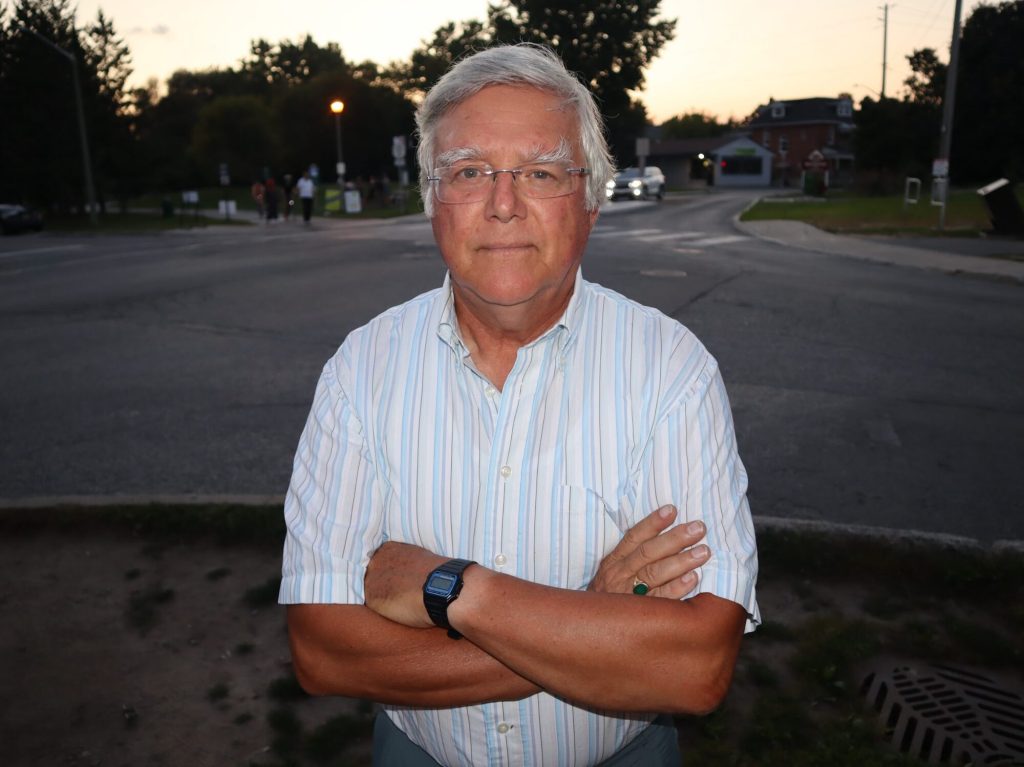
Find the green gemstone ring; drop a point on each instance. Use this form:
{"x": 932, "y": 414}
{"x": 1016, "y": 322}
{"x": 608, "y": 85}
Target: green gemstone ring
{"x": 639, "y": 587}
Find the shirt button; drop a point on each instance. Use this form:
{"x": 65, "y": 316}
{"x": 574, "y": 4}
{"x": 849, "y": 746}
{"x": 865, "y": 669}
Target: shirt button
{"x": 490, "y": 391}
{"x": 501, "y": 560}
{"x": 503, "y": 728}
{"x": 506, "y": 471}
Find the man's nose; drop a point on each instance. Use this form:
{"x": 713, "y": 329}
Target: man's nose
{"x": 505, "y": 198}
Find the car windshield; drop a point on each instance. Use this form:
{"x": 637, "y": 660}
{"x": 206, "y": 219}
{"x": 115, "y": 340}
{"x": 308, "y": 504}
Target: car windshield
{"x": 628, "y": 173}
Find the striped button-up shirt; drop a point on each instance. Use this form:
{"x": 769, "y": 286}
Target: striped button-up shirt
{"x": 612, "y": 413}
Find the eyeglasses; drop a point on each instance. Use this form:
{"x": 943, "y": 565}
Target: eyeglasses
{"x": 468, "y": 182}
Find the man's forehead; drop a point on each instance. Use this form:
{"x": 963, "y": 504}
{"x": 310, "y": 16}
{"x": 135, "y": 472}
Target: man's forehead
{"x": 529, "y": 121}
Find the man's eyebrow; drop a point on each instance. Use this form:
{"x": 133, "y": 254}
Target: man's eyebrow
{"x": 562, "y": 153}
{"x": 458, "y": 154}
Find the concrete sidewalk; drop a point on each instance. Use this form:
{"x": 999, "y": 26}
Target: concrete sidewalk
{"x": 796, "y": 234}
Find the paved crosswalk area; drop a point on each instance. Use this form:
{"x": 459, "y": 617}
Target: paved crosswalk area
{"x": 688, "y": 239}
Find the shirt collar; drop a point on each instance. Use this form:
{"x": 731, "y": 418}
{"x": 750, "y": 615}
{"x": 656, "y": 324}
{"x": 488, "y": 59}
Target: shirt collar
{"x": 565, "y": 330}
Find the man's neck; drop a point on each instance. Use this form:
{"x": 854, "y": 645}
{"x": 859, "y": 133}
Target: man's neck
{"x": 494, "y": 335}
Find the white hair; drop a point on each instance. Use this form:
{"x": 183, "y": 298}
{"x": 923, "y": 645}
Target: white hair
{"x": 522, "y": 64}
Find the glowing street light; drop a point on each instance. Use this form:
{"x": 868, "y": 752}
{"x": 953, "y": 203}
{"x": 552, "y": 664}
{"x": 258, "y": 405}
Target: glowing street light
{"x": 337, "y": 107}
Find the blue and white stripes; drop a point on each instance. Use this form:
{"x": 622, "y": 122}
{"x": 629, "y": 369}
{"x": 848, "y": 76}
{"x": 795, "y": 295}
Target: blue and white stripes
{"x": 615, "y": 411}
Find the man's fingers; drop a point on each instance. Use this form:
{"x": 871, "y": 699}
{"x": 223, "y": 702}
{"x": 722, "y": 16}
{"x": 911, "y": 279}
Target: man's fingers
{"x": 647, "y": 528}
{"x": 677, "y": 588}
{"x": 671, "y": 568}
{"x": 663, "y": 546}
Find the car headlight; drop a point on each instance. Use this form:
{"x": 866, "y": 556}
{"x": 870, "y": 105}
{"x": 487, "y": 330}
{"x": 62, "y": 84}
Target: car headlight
{"x": 610, "y": 184}
{"x": 636, "y": 184}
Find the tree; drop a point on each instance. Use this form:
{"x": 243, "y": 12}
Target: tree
{"x": 693, "y": 125}
{"x": 927, "y": 84}
{"x": 40, "y": 151}
{"x": 607, "y": 43}
{"x": 239, "y": 131}
{"x": 989, "y": 119}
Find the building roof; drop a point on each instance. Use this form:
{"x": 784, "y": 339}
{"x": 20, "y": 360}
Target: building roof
{"x": 692, "y": 146}
{"x": 803, "y": 111}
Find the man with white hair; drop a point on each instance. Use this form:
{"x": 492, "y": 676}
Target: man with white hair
{"x": 497, "y": 509}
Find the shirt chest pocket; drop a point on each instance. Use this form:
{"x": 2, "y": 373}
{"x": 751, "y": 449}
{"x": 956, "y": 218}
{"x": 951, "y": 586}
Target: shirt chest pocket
{"x": 569, "y": 543}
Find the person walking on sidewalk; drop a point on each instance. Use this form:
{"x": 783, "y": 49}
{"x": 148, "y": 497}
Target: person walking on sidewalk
{"x": 517, "y": 517}
{"x": 306, "y": 189}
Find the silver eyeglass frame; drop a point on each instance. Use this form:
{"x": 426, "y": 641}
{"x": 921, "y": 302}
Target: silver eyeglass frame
{"x": 492, "y": 173}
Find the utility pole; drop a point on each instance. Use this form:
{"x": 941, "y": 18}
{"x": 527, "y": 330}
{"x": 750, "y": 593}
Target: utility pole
{"x": 948, "y": 103}
{"x": 90, "y": 188}
{"x": 885, "y": 43}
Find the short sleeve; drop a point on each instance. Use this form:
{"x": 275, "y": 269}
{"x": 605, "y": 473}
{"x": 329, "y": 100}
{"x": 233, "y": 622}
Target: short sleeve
{"x": 332, "y": 509}
{"x": 692, "y": 462}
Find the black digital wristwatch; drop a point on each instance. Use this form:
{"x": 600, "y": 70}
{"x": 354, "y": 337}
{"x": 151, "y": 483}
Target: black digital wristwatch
{"x": 441, "y": 588}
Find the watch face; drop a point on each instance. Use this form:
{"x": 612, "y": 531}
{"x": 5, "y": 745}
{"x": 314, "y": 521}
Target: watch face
{"x": 441, "y": 584}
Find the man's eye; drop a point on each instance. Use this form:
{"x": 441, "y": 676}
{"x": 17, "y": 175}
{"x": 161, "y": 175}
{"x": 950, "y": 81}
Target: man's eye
{"x": 466, "y": 173}
{"x": 542, "y": 174}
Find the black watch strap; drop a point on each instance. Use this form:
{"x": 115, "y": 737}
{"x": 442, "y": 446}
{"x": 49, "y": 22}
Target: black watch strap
{"x": 437, "y": 604}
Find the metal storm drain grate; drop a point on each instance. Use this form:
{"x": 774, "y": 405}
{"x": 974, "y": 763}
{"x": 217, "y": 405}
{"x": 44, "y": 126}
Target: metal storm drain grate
{"x": 945, "y": 714}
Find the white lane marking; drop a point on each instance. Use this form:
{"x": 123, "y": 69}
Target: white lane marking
{"x": 625, "y": 232}
{"x": 670, "y": 273}
{"x": 671, "y": 236}
{"x": 719, "y": 240}
{"x": 32, "y": 251}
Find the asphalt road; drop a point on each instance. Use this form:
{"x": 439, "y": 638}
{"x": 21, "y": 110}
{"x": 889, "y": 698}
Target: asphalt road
{"x": 185, "y": 363}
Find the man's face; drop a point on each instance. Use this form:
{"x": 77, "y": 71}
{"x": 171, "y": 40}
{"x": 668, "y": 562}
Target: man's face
{"x": 510, "y": 250}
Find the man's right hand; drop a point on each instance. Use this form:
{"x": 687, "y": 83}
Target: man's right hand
{"x": 665, "y": 561}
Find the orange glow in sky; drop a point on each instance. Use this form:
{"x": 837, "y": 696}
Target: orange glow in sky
{"x": 727, "y": 57}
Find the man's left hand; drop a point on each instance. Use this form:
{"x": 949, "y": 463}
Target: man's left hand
{"x": 394, "y": 583}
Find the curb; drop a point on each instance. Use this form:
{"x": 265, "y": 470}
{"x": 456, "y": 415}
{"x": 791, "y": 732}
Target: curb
{"x": 913, "y": 258}
{"x": 765, "y": 523}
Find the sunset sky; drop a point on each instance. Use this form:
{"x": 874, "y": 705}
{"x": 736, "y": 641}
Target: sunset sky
{"x": 727, "y": 57}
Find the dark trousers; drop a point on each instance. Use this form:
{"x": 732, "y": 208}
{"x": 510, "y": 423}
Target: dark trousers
{"x": 657, "y": 746}
{"x": 307, "y": 208}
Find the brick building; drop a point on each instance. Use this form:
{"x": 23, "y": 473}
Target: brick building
{"x": 792, "y": 130}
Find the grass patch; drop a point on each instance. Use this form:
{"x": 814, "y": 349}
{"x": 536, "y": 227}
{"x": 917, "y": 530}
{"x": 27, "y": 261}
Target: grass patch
{"x": 144, "y": 605}
{"x": 286, "y": 689}
{"x": 218, "y": 692}
{"x": 328, "y": 741}
{"x": 160, "y": 525}
{"x": 966, "y": 214}
{"x": 264, "y": 595}
{"x": 218, "y": 573}
{"x": 134, "y": 223}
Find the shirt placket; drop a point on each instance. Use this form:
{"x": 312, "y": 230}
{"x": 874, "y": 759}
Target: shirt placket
{"x": 503, "y": 510}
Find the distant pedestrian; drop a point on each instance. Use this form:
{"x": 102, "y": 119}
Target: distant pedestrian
{"x": 258, "y": 192}
{"x": 305, "y": 188}
{"x": 270, "y": 195}
{"x": 288, "y": 187}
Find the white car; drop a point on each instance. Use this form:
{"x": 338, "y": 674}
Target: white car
{"x": 630, "y": 185}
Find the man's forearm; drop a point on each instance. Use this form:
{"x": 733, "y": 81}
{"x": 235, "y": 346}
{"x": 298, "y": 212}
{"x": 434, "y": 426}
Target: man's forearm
{"x": 612, "y": 651}
{"x": 350, "y": 650}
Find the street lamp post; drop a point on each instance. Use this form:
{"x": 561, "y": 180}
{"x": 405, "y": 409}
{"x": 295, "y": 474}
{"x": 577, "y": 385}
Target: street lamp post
{"x": 90, "y": 188}
{"x": 337, "y": 107}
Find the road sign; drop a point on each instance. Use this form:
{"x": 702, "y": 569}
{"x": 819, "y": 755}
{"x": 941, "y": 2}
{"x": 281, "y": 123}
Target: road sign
{"x": 398, "y": 148}
{"x": 940, "y": 168}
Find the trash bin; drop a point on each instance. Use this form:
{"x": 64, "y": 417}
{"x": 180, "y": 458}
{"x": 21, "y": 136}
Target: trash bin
{"x": 166, "y": 208}
{"x": 1003, "y": 207}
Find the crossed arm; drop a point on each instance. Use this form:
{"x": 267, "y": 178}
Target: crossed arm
{"x": 601, "y": 648}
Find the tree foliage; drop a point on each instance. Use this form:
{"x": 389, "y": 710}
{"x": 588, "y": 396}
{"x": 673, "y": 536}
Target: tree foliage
{"x": 988, "y": 128}
{"x": 694, "y": 125}
{"x": 927, "y": 83}
{"x": 608, "y": 44}
{"x": 40, "y": 150}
